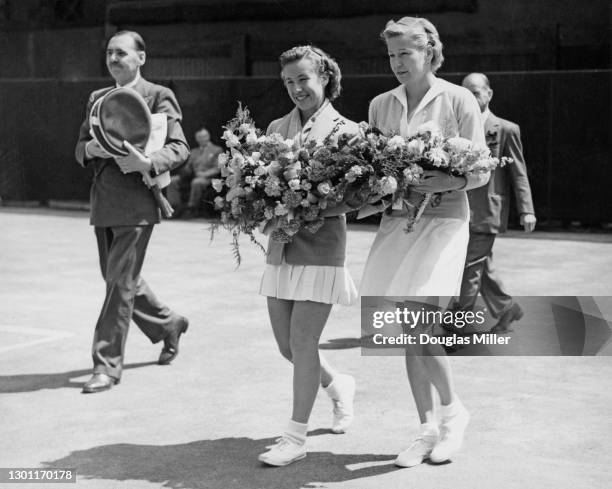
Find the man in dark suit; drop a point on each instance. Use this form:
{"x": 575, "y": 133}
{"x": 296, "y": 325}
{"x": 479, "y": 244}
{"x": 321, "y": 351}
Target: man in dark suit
{"x": 123, "y": 211}
{"x": 489, "y": 208}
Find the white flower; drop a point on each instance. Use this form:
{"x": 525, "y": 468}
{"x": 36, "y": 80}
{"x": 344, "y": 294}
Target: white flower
{"x": 459, "y": 144}
{"x": 439, "y": 157}
{"x": 416, "y": 147}
{"x": 354, "y": 173}
{"x": 260, "y": 170}
{"x": 396, "y": 142}
{"x": 290, "y": 155}
{"x": 245, "y": 128}
{"x": 280, "y": 209}
{"x": 238, "y": 160}
{"x": 231, "y": 140}
{"x": 251, "y": 137}
{"x": 428, "y": 127}
{"x": 256, "y": 155}
{"x": 413, "y": 173}
{"x": 388, "y": 185}
{"x": 217, "y": 184}
{"x": 222, "y": 159}
{"x": 294, "y": 184}
{"x": 231, "y": 181}
{"x": 357, "y": 170}
{"x": 324, "y": 188}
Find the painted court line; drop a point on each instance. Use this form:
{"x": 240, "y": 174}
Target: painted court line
{"x": 44, "y": 336}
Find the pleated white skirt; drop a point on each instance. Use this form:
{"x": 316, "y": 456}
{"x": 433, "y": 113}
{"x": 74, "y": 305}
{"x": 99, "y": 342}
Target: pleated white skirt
{"x": 426, "y": 262}
{"x": 327, "y": 284}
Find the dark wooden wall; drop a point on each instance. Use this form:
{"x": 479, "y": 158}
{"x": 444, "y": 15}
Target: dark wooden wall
{"x": 564, "y": 118}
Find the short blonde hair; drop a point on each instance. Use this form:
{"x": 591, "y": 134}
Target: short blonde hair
{"x": 422, "y": 32}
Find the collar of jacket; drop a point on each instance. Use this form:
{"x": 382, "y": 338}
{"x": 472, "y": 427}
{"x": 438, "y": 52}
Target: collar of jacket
{"x": 435, "y": 90}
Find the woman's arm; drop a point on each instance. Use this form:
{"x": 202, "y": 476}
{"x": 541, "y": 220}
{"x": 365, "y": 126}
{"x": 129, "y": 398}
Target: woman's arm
{"x": 371, "y": 209}
{"x": 469, "y": 120}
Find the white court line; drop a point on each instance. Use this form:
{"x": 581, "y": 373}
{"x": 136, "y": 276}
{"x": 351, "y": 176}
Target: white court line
{"x": 367, "y": 465}
{"x": 47, "y": 335}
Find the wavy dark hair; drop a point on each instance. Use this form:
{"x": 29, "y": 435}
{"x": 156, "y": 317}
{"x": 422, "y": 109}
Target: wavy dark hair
{"x": 324, "y": 64}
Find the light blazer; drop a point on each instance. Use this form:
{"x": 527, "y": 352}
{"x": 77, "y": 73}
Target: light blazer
{"x": 119, "y": 199}
{"x": 490, "y": 205}
{"x": 326, "y": 247}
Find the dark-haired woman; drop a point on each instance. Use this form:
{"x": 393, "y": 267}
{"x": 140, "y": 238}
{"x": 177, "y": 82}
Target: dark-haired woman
{"x": 304, "y": 278}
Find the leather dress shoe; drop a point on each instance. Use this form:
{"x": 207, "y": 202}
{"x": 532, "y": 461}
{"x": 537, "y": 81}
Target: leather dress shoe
{"x": 514, "y": 313}
{"x": 99, "y": 382}
{"x": 171, "y": 342}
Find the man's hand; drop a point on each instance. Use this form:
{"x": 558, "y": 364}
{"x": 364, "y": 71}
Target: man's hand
{"x": 94, "y": 150}
{"x": 135, "y": 161}
{"x": 528, "y": 221}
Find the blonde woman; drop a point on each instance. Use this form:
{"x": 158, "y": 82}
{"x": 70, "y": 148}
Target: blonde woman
{"x": 304, "y": 278}
{"x": 427, "y": 262}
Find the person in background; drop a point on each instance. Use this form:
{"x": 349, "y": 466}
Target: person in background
{"x": 489, "y": 209}
{"x": 198, "y": 172}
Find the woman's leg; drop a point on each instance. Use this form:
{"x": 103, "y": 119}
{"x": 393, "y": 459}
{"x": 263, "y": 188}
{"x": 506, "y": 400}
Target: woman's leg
{"x": 437, "y": 366}
{"x": 420, "y": 385}
{"x": 430, "y": 367}
{"x": 307, "y": 322}
{"x": 280, "y": 317}
{"x": 279, "y": 311}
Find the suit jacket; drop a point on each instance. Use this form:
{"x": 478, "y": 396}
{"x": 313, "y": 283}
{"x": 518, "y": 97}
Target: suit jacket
{"x": 327, "y": 246}
{"x": 119, "y": 199}
{"x": 490, "y": 205}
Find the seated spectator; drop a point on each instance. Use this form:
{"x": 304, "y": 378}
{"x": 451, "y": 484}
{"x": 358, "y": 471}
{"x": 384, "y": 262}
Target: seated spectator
{"x": 197, "y": 173}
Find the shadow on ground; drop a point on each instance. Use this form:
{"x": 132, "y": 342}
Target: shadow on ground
{"x": 226, "y": 463}
{"x": 35, "y": 382}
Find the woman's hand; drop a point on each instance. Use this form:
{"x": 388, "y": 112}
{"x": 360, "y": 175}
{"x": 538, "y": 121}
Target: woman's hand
{"x": 433, "y": 181}
{"x": 268, "y": 226}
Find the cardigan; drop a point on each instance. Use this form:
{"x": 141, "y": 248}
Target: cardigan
{"x": 455, "y": 110}
{"x": 327, "y": 246}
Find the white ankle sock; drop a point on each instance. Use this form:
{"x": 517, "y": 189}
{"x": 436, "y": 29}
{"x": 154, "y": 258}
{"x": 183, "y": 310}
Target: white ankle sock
{"x": 449, "y": 410}
{"x": 429, "y": 430}
{"x": 332, "y": 388}
{"x": 297, "y": 431}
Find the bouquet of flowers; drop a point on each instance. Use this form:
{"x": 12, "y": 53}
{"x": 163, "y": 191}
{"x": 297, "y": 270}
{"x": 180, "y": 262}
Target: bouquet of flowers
{"x": 272, "y": 182}
{"x": 400, "y": 162}
{"x": 269, "y": 181}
